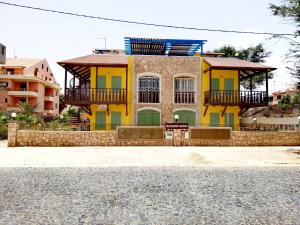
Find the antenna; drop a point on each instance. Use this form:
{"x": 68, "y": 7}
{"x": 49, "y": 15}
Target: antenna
{"x": 103, "y": 38}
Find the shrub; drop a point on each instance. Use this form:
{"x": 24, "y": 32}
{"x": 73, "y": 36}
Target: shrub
{"x": 3, "y": 131}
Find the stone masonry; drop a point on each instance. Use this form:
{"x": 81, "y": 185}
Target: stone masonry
{"x": 109, "y": 138}
{"x": 166, "y": 68}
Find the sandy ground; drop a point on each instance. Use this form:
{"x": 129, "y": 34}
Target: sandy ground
{"x": 148, "y": 156}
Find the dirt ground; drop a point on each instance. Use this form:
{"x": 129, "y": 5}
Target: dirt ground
{"x": 148, "y": 156}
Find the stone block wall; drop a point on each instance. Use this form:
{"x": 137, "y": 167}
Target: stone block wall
{"x": 18, "y": 137}
{"x": 252, "y": 138}
{"x": 65, "y": 138}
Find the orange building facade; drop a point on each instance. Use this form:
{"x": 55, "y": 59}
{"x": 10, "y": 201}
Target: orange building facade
{"x": 31, "y": 81}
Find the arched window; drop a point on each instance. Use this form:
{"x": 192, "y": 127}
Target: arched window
{"x": 148, "y": 117}
{"x": 184, "y": 90}
{"x": 148, "y": 89}
{"x": 36, "y": 72}
{"x": 186, "y": 116}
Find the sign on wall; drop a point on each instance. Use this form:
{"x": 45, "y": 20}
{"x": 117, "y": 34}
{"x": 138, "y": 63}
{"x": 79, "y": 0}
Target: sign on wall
{"x": 176, "y": 126}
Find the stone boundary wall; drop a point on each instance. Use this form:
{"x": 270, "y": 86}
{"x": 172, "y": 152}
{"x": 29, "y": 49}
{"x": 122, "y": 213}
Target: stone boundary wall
{"x": 65, "y": 138}
{"x": 253, "y": 138}
{"x": 18, "y": 137}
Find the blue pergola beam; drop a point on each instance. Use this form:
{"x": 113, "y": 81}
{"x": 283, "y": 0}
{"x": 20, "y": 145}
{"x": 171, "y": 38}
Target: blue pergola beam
{"x": 151, "y": 46}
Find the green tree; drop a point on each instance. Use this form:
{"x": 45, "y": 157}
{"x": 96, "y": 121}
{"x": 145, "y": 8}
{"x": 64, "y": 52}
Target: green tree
{"x": 285, "y": 102}
{"x": 27, "y": 111}
{"x": 290, "y": 10}
{"x": 296, "y": 101}
{"x": 256, "y": 54}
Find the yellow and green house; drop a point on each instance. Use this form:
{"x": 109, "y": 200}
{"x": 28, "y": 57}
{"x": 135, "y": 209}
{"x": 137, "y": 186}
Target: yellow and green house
{"x": 155, "y": 79}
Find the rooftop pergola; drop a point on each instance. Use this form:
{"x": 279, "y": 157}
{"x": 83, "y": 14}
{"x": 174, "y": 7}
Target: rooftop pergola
{"x": 171, "y": 47}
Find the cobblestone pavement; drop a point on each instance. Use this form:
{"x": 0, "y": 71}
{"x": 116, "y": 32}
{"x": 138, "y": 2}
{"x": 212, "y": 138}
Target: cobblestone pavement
{"x": 144, "y": 195}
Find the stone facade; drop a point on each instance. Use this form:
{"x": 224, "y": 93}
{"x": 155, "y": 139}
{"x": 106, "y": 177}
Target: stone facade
{"x": 109, "y": 138}
{"x": 166, "y": 68}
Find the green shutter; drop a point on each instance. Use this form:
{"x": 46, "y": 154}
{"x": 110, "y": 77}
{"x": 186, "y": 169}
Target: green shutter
{"x": 148, "y": 118}
{"x": 116, "y": 82}
{"x": 214, "y": 119}
{"x": 101, "y": 82}
{"x": 229, "y": 120}
{"x": 186, "y": 116}
{"x": 229, "y": 86}
{"x": 100, "y": 120}
{"x": 115, "y": 119}
{"x": 215, "y": 86}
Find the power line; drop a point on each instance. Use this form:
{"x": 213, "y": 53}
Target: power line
{"x": 144, "y": 23}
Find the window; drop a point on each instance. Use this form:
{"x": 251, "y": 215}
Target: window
{"x": 214, "y": 119}
{"x": 47, "y": 68}
{"x": 56, "y": 105}
{"x": 100, "y": 120}
{"x": 5, "y": 100}
{"x": 23, "y": 87}
{"x": 184, "y": 90}
{"x": 278, "y": 97}
{"x": 56, "y": 93}
{"x": 22, "y": 99}
{"x": 36, "y": 72}
{"x": 3, "y": 84}
{"x": 10, "y": 71}
{"x": 42, "y": 66}
{"x": 229, "y": 120}
{"x": 148, "y": 117}
{"x": 115, "y": 120}
{"x": 148, "y": 89}
{"x": 2, "y": 50}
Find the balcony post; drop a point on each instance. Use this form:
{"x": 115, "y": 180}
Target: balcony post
{"x": 251, "y": 89}
{"x": 73, "y": 86}
{"x": 267, "y": 88}
{"x": 66, "y": 80}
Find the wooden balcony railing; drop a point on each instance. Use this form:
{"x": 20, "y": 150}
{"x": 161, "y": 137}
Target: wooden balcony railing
{"x": 184, "y": 97}
{"x": 148, "y": 96}
{"x": 236, "y": 98}
{"x": 82, "y": 96}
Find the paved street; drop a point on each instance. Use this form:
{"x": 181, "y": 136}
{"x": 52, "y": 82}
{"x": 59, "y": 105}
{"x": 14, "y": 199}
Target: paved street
{"x": 158, "y": 195}
{"x": 149, "y": 185}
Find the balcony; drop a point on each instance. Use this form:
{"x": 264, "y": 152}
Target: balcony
{"x": 23, "y": 92}
{"x": 49, "y": 110}
{"x": 184, "y": 97}
{"x": 148, "y": 96}
{"x": 14, "y": 108}
{"x": 49, "y": 98}
{"x": 245, "y": 99}
{"x": 82, "y": 96}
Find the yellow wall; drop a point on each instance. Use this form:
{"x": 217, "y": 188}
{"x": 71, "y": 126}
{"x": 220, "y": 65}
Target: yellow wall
{"x": 109, "y": 72}
{"x": 221, "y": 74}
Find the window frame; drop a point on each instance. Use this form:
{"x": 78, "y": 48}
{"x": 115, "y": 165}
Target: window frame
{"x": 150, "y": 75}
{"x": 190, "y": 77}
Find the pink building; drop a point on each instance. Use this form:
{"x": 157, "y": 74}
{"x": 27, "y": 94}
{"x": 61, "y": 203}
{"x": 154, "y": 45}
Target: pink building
{"x": 28, "y": 80}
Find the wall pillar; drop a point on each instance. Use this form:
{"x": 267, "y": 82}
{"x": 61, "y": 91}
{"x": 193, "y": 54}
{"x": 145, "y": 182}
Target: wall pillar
{"x": 12, "y": 134}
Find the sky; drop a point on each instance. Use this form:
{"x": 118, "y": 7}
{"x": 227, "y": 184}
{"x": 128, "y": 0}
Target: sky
{"x": 35, "y": 34}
